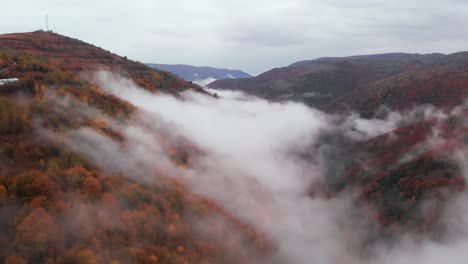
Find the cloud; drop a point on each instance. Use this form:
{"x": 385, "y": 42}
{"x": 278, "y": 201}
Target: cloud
{"x": 264, "y": 35}
{"x": 205, "y": 82}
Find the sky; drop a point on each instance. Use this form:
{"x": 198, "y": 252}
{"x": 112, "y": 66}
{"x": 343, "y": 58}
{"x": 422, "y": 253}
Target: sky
{"x": 250, "y": 35}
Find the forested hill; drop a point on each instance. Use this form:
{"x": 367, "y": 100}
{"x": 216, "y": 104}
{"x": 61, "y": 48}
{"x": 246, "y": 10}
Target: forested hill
{"x": 74, "y": 56}
{"x": 364, "y": 83}
{"x": 59, "y": 206}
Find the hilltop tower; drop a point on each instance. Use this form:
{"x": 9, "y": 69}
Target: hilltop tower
{"x": 47, "y": 22}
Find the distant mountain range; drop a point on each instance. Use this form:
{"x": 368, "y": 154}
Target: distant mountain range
{"x": 363, "y": 83}
{"x": 200, "y": 75}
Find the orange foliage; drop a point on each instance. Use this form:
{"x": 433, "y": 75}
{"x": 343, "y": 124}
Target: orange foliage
{"x": 3, "y": 194}
{"x": 15, "y": 260}
{"x": 86, "y": 256}
{"x": 29, "y": 185}
{"x": 38, "y": 232}
{"x": 60, "y": 208}
{"x": 91, "y": 188}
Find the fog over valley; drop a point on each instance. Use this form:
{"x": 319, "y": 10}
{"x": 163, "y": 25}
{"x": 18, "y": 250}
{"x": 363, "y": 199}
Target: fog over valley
{"x": 221, "y": 132}
{"x": 261, "y": 161}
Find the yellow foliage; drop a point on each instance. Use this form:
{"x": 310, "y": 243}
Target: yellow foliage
{"x": 42, "y": 164}
{"x": 39, "y": 91}
{"x": 54, "y": 165}
{"x": 100, "y": 123}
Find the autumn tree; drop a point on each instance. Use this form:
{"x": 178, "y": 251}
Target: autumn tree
{"x": 91, "y": 188}
{"x": 31, "y": 184}
{"x": 38, "y": 234}
{"x": 3, "y": 194}
{"x": 15, "y": 260}
{"x": 86, "y": 256}
{"x": 13, "y": 117}
{"x": 75, "y": 177}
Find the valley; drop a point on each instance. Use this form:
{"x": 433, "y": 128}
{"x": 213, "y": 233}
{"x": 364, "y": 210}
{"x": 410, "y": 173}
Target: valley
{"x": 335, "y": 160}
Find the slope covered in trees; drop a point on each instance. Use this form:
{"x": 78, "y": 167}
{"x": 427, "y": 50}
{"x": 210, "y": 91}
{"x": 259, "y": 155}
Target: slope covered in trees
{"x": 399, "y": 81}
{"x": 405, "y": 177}
{"x": 57, "y": 206}
{"x": 74, "y": 56}
{"x": 62, "y": 206}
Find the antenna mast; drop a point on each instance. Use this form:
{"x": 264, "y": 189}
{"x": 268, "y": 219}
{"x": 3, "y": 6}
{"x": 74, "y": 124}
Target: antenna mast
{"x": 47, "y": 22}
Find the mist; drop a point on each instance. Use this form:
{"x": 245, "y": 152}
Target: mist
{"x": 204, "y": 82}
{"x": 259, "y": 160}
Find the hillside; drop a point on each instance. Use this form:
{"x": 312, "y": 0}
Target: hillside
{"x": 95, "y": 170}
{"x": 200, "y": 74}
{"x": 75, "y": 56}
{"x": 398, "y": 173}
{"x": 363, "y": 83}
{"x": 407, "y": 176}
{"x": 58, "y": 205}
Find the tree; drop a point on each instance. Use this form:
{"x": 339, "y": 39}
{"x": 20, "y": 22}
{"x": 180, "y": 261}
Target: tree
{"x": 37, "y": 234}
{"x": 86, "y": 256}
{"x": 31, "y": 184}
{"x": 91, "y": 188}
{"x": 76, "y": 176}
{"x": 3, "y": 194}
{"x": 13, "y": 117}
{"x": 15, "y": 260}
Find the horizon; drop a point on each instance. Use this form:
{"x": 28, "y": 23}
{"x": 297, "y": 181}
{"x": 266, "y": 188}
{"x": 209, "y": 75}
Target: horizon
{"x": 235, "y": 69}
{"x": 228, "y": 35}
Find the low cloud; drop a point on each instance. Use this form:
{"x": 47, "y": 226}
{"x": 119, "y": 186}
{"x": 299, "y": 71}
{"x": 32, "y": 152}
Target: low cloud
{"x": 259, "y": 160}
{"x": 204, "y": 82}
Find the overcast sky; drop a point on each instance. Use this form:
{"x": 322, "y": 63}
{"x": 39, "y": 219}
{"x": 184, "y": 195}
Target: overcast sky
{"x": 251, "y": 35}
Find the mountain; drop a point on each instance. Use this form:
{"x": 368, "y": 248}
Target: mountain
{"x": 92, "y": 173}
{"x": 200, "y": 75}
{"x": 401, "y": 171}
{"x": 363, "y": 83}
{"x": 396, "y": 173}
{"x": 75, "y": 56}
{"x": 58, "y": 205}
